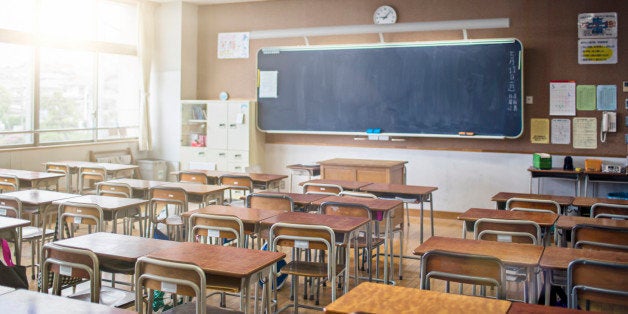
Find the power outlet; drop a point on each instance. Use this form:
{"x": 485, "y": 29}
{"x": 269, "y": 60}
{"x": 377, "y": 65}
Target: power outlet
{"x": 529, "y": 100}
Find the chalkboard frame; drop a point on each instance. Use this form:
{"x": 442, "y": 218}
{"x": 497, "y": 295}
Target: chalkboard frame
{"x": 516, "y": 116}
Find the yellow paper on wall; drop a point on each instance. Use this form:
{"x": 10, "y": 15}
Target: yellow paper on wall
{"x": 539, "y": 131}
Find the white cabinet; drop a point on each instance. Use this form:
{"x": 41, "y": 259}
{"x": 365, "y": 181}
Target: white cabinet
{"x": 220, "y": 134}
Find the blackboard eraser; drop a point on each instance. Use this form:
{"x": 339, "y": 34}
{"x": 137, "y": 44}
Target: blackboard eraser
{"x": 466, "y": 133}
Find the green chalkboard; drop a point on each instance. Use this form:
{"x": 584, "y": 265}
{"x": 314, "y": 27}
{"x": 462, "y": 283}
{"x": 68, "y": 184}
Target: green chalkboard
{"x": 410, "y": 89}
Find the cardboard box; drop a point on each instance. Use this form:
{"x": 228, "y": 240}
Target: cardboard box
{"x": 593, "y": 165}
{"x": 542, "y": 161}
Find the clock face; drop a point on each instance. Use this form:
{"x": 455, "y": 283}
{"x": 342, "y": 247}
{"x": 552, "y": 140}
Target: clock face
{"x": 385, "y": 15}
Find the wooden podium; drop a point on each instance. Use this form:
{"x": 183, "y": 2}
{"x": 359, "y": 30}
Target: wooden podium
{"x": 364, "y": 170}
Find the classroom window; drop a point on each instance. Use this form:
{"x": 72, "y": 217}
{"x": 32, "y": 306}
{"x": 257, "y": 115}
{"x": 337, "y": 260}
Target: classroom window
{"x": 79, "y": 59}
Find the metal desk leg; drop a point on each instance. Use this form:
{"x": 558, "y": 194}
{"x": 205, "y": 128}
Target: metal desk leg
{"x": 547, "y": 274}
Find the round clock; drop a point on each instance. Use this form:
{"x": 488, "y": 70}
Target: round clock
{"x": 385, "y": 15}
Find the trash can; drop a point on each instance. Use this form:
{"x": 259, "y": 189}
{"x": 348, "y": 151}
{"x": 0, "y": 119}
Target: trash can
{"x": 153, "y": 169}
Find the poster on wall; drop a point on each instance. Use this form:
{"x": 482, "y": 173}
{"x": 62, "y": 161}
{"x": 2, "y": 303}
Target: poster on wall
{"x": 233, "y": 45}
{"x": 597, "y": 51}
{"x": 597, "y": 25}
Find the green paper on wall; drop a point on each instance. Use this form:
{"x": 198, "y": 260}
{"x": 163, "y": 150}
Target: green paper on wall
{"x": 585, "y": 97}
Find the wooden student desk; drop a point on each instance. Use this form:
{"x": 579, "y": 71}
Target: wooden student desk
{"x": 203, "y": 191}
{"x": 40, "y": 200}
{"x": 558, "y": 259}
{"x": 602, "y": 177}
{"x": 222, "y": 263}
{"x": 389, "y": 209}
{"x": 344, "y": 184}
{"x": 303, "y": 201}
{"x": 309, "y": 170}
{"x": 556, "y": 173}
{"x": 365, "y": 170}
{"x": 251, "y": 217}
{"x": 406, "y": 193}
{"x": 25, "y": 301}
{"x": 544, "y": 220}
{"x": 567, "y": 222}
{"x": 117, "y": 206}
{"x": 502, "y": 197}
{"x": 14, "y": 225}
{"x": 34, "y": 179}
{"x": 514, "y": 254}
{"x": 139, "y": 185}
{"x": 263, "y": 179}
{"x": 113, "y": 170}
{"x": 384, "y": 299}
{"x": 585, "y": 203}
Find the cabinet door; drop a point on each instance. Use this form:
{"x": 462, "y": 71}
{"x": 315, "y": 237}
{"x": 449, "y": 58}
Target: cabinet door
{"x": 220, "y": 157}
{"x": 238, "y": 124}
{"x": 192, "y": 154}
{"x": 217, "y": 126}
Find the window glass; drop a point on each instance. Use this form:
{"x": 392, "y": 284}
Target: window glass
{"x": 66, "y": 94}
{"x": 117, "y": 22}
{"x": 67, "y": 19}
{"x": 118, "y": 96}
{"x": 16, "y": 94}
{"x": 17, "y": 15}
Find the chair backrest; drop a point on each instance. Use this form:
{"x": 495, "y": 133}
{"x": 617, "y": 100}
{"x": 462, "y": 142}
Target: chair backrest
{"x": 357, "y": 194}
{"x": 321, "y": 188}
{"x": 237, "y": 182}
{"x": 79, "y": 213}
{"x": 10, "y": 206}
{"x": 502, "y": 230}
{"x": 345, "y": 209}
{"x": 114, "y": 189}
{"x": 597, "y": 281}
{"x": 172, "y": 277}
{"x": 600, "y": 237}
{"x": 161, "y": 196}
{"x": 463, "y": 268}
{"x": 97, "y": 174}
{"x": 270, "y": 201}
{"x": 9, "y": 183}
{"x": 193, "y": 177}
{"x": 613, "y": 211}
{"x": 216, "y": 227}
{"x": 71, "y": 262}
{"x": 303, "y": 237}
{"x": 528, "y": 203}
{"x": 57, "y": 168}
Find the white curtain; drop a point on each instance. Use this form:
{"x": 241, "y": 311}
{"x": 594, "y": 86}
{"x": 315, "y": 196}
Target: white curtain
{"x": 145, "y": 53}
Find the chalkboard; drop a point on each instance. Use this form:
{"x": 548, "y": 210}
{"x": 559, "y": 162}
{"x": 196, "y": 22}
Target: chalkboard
{"x": 414, "y": 89}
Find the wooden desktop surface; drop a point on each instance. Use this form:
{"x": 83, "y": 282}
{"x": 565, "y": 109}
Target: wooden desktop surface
{"x": 219, "y": 260}
{"x": 554, "y": 171}
{"x": 510, "y": 253}
{"x": 298, "y": 198}
{"x": 118, "y": 247}
{"x": 138, "y": 184}
{"x": 384, "y": 299}
{"x": 559, "y": 257}
{"x": 345, "y": 184}
{"x": 27, "y": 175}
{"x": 528, "y": 308}
{"x": 9, "y": 223}
{"x": 256, "y": 177}
{"x": 39, "y": 197}
{"x": 568, "y": 222}
{"x": 340, "y": 224}
{"x": 108, "y": 166}
{"x": 505, "y": 196}
{"x": 350, "y": 162}
{"x": 543, "y": 219}
{"x": 111, "y": 203}
{"x": 26, "y": 301}
{"x": 589, "y": 201}
{"x": 398, "y": 189}
{"x": 374, "y": 204}
{"x": 250, "y": 216}
{"x": 195, "y": 188}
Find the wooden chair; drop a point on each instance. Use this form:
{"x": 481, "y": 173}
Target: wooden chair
{"x": 115, "y": 189}
{"x": 9, "y": 183}
{"x": 266, "y": 201}
{"x": 597, "y": 281}
{"x": 63, "y": 169}
{"x": 463, "y": 268}
{"x": 218, "y": 230}
{"x": 162, "y": 199}
{"x": 297, "y": 236}
{"x": 176, "y": 278}
{"x": 236, "y": 183}
{"x": 321, "y": 188}
{"x": 517, "y": 231}
{"x": 613, "y": 211}
{"x": 533, "y": 204}
{"x": 365, "y": 241}
{"x": 193, "y": 177}
{"x": 70, "y": 213}
{"x": 600, "y": 238}
{"x": 90, "y": 175}
{"x": 12, "y": 207}
{"x": 80, "y": 263}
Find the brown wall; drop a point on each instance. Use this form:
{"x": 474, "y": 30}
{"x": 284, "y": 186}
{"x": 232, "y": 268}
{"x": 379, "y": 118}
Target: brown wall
{"x": 546, "y": 28}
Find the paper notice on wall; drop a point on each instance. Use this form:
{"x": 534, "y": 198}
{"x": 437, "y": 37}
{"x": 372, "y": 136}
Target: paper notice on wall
{"x": 562, "y": 98}
{"x": 233, "y": 45}
{"x": 561, "y": 131}
{"x": 267, "y": 84}
{"x": 597, "y": 25}
{"x": 585, "y": 97}
{"x": 585, "y": 133}
{"x": 597, "y": 51}
{"x": 539, "y": 131}
{"x": 607, "y": 97}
